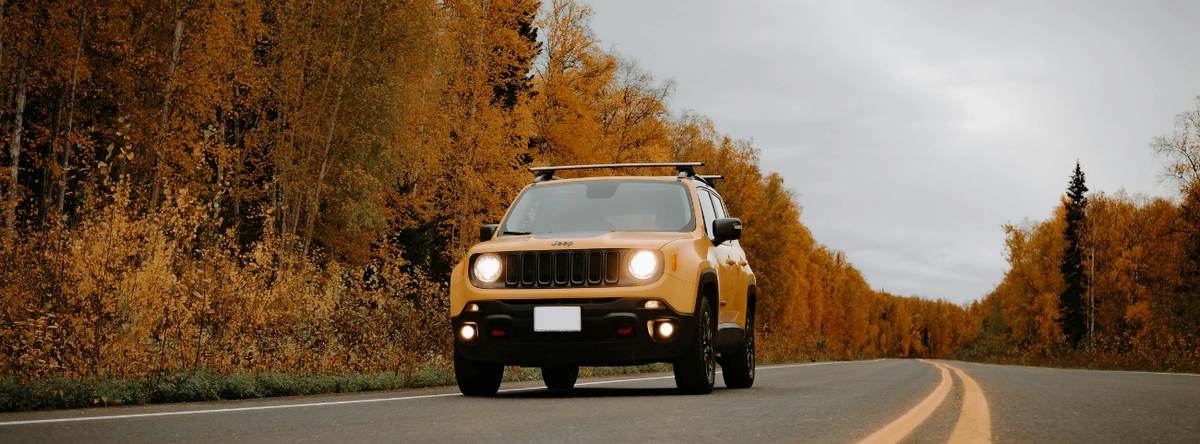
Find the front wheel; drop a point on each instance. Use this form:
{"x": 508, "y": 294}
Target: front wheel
{"x": 696, "y": 370}
{"x": 737, "y": 368}
{"x": 477, "y": 378}
{"x": 560, "y": 378}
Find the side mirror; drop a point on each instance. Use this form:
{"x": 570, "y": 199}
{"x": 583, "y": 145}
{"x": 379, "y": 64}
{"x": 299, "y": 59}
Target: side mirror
{"x": 727, "y": 229}
{"x": 487, "y": 231}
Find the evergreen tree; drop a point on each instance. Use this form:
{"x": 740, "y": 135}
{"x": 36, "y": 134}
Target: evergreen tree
{"x": 1070, "y": 301}
{"x": 1186, "y": 310}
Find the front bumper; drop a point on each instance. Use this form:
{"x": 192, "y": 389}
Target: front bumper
{"x": 599, "y": 343}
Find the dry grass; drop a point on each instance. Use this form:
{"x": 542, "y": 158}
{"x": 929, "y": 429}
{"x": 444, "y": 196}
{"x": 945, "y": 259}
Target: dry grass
{"x": 1167, "y": 355}
{"x": 128, "y": 295}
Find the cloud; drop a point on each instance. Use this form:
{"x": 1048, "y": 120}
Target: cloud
{"x": 912, "y": 132}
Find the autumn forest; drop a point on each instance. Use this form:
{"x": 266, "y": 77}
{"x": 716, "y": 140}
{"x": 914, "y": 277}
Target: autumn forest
{"x": 251, "y": 186}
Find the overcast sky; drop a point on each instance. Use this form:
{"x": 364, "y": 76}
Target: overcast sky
{"x": 912, "y": 131}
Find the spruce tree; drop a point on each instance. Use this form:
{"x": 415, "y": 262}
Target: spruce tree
{"x": 1186, "y": 312}
{"x": 1074, "y": 325}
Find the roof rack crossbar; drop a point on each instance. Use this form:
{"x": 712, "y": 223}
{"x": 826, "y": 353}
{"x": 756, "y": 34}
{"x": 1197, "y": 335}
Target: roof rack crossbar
{"x": 710, "y": 179}
{"x": 686, "y": 169}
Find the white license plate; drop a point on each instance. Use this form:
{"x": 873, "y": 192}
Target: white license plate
{"x": 557, "y": 319}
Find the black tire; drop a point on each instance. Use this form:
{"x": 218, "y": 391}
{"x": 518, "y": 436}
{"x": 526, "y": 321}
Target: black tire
{"x": 737, "y": 368}
{"x": 476, "y": 378}
{"x": 696, "y": 370}
{"x": 560, "y": 378}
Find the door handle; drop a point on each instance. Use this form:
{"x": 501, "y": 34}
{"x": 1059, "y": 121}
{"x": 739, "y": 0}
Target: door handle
{"x": 730, "y": 262}
{"x": 743, "y": 263}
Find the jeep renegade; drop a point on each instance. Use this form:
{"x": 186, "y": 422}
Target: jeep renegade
{"x": 607, "y": 271}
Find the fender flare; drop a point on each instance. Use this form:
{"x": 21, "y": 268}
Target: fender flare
{"x": 752, "y": 298}
{"x": 708, "y": 286}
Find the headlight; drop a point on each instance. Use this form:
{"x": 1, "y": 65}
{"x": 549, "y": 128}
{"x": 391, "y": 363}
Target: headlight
{"x": 487, "y": 268}
{"x": 643, "y": 264}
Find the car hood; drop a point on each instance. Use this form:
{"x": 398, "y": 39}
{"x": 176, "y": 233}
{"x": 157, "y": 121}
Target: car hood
{"x": 579, "y": 240}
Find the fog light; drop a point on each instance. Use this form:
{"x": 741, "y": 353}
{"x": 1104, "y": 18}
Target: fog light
{"x": 653, "y": 304}
{"x": 472, "y": 307}
{"x": 467, "y": 333}
{"x": 666, "y": 329}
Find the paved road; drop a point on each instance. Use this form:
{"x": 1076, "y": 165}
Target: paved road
{"x": 866, "y": 401}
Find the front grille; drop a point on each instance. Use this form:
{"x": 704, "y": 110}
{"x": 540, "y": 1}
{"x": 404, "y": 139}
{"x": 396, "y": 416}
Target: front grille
{"x": 574, "y": 301}
{"x": 564, "y": 268}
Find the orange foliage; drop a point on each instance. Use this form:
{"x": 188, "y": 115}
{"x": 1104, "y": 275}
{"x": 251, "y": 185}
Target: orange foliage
{"x": 265, "y": 186}
{"x": 1134, "y": 248}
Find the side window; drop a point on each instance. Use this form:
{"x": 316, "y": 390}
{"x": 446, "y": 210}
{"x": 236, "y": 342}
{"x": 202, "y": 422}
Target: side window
{"x": 706, "y": 207}
{"x": 719, "y": 209}
{"x": 719, "y": 206}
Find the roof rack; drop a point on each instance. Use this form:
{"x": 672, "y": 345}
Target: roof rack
{"x": 685, "y": 169}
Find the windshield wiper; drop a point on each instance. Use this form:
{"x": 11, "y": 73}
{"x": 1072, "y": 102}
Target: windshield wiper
{"x": 515, "y": 233}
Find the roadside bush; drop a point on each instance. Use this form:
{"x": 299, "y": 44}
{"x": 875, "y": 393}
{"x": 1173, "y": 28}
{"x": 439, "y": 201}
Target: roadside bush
{"x": 131, "y": 296}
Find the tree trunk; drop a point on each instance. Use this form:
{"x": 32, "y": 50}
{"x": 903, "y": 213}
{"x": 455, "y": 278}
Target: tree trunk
{"x": 14, "y": 149}
{"x": 46, "y": 200}
{"x": 66, "y": 153}
{"x": 164, "y": 116}
{"x": 314, "y": 212}
{"x": 219, "y": 186}
{"x": 316, "y": 204}
{"x": 3, "y": 3}
{"x": 236, "y": 187}
{"x": 285, "y": 201}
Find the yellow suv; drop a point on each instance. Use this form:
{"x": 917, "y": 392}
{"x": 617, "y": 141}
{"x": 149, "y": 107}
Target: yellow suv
{"x": 601, "y": 271}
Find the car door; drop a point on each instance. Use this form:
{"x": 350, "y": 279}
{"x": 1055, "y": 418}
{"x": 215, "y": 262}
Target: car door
{"x": 732, "y": 260}
{"x": 720, "y": 254}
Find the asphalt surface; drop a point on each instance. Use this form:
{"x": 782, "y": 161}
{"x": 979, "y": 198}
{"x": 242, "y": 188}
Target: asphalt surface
{"x": 885, "y": 400}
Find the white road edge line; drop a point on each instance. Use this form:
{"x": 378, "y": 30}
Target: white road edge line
{"x": 1158, "y": 373}
{"x": 362, "y": 401}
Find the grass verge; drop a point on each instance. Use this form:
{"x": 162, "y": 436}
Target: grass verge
{"x": 208, "y": 385}
{"x": 202, "y": 385}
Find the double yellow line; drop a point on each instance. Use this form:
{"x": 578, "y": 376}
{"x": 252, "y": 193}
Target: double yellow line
{"x": 974, "y": 424}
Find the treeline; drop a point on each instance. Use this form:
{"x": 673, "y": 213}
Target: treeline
{"x": 257, "y": 185}
{"x": 1109, "y": 280}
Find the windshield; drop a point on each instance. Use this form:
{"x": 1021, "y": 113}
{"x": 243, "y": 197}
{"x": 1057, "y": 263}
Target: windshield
{"x": 601, "y": 206}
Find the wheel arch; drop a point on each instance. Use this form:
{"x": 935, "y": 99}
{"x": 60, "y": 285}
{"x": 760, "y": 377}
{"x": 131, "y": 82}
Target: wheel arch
{"x": 707, "y": 287}
{"x": 752, "y": 299}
